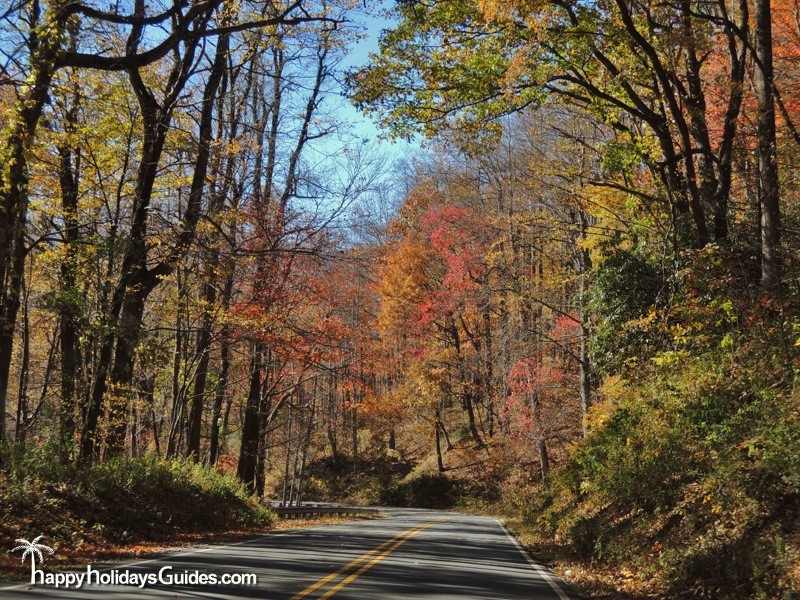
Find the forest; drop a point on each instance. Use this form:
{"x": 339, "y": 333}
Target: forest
{"x": 574, "y": 301}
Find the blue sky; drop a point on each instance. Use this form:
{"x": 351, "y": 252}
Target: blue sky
{"x": 360, "y": 125}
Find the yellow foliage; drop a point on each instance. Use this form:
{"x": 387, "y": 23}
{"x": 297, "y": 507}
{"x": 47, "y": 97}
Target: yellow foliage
{"x": 612, "y": 391}
{"x": 402, "y": 284}
{"x": 612, "y": 211}
{"x": 670, "y": 358}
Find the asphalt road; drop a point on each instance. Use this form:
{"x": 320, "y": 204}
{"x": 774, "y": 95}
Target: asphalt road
{"x": 411, "y": 554}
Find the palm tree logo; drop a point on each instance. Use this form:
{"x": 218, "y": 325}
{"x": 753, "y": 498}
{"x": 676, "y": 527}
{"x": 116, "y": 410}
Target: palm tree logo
{"x": 34, "y": 549}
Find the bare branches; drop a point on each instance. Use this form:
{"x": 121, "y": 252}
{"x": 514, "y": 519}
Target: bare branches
{"x": 192, "y": 25}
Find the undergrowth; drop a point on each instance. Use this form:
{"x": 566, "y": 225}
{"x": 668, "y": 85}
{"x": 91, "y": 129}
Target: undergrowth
{"x": 689, "y": 480}
{"x": 121, "y": 500}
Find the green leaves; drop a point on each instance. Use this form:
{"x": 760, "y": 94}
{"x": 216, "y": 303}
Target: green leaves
{"x": 443, "y": 66}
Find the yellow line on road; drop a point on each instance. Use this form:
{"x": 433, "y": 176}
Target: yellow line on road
{"x": 391, "y": 543}
{"x": 372, "y": 562}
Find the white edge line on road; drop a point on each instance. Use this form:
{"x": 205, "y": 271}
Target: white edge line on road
{"x": 536, "y": 567}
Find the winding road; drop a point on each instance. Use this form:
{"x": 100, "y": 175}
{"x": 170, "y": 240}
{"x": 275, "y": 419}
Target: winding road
{"x": 408, "y": 555}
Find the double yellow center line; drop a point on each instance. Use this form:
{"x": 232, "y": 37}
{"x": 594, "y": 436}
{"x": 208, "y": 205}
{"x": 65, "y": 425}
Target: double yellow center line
{"x": 360, "y": 565}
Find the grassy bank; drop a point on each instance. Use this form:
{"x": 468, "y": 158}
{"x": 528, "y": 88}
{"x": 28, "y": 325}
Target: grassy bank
{"x": 86, "y": 509}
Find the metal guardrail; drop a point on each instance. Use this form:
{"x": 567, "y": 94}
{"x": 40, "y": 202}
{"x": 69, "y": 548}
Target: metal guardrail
{"x": 297, "y": 512}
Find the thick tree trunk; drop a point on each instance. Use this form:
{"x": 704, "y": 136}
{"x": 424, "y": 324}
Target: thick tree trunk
{"x": 696, "y": 107}
{"x": 128, "y": 333}
{"x": 767, "y": 149}
{"x": 8, "y": 317}
{"x": 447, "y": 441}
{"x": 248, "y": 454}
{"x": 226, "y": 419}
{"x": 473, "y": 427}
{"x": 69, "y": 303}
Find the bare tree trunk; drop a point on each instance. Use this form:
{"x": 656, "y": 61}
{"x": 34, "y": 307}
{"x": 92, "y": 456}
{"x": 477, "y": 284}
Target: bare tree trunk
{"x": 585, "y": 377}
{"x": 48, "y": 372}
{"x": 122, "y": 373}
{"x": 585, "y": 367}
{"x": 544, "y": 459}
{"x": 332, "y": 418}
{"x": 767, "y": 149}
{"x": 203, "y": 350}
{"x": 219, "y": 400}
{"x": 248, "y": 454}
{"x": 226, "y": 419}
{"x": 24, "y": 373}
{"x": 148, "y": 387}
{"x": 178, "y": 400}
{"x": 134, "y": 429}
{"x": 438, "y": 443}
{"x": 354, "y": 436}
{"x": 489, "y": 379}
{"x": 264, "y": 408}
{"x": 69, "y": 303}
{"x": 9, "y": 306}
{"x": 312, "y": 410}
{"x": 287, "y": 459}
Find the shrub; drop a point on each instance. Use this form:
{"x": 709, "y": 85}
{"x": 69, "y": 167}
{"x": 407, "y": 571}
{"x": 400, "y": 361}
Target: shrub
{"x": 120, "y": 500}
{"x": 422, "y": 491}
{"x": 625, "y": 287}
